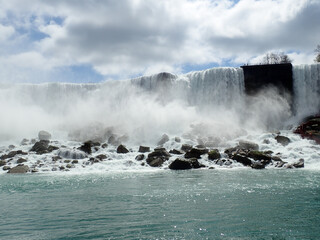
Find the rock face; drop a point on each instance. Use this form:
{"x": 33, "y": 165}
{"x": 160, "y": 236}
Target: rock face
{"x": 44, "y": 135}
{"x": 122, "y": 149}
{"x": 284, "y": 141}
{"x": 19, "y": 169}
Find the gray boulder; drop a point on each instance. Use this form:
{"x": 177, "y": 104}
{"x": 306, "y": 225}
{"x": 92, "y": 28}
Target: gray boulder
{"x": 214, "y": 154}
{"x": 19, "y": 169}
{"x": 143, "y": 149}
{"x": 44, "y": 135}
{"x": 284, "y": 141}
{"x": 122, "y": 149}
{"x": 248, "y": 145}
{"x": 163, "y": 139}
{"x": 299, "y": 164}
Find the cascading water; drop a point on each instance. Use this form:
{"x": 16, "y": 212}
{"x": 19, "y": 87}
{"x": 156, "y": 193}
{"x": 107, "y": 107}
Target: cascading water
{"x": 306, "y": 89}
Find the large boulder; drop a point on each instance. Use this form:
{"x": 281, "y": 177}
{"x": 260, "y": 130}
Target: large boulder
{"x": 122, "y": 149}
{"x": 184, "y": 164}
{"x": 242, "y": 159}
{"x": 163, "y": 140}
{"x": 157, "y": 157}
{"x": 299, "y": 164}
{"x": 186, "y": 147}
{"x": 214, "y": 154}
{"x": 19, "y": 169}
{"x": 2, "y": 163}
{"x": 86, "y": 146}
{"x": 143, "y": 149}
{"x": 284, "y": 141}
{"x": 196, "y": 153}
{"x": 248, "y": 145}
{"x": 40, "y": 147}
{"x": 44, "y": 135}
{"x": 258, "y": 155}
{"x": 12, "y": 154}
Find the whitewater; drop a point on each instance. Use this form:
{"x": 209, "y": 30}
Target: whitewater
{"x": 208, "y": 108}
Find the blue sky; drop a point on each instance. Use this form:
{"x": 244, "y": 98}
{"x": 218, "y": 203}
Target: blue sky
{"x": 93, "y": 41}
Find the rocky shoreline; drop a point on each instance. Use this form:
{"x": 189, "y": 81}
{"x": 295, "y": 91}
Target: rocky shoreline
{"x": 52, "y": 156}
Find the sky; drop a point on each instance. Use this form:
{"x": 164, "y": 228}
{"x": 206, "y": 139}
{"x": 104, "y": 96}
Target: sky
{"x": 98, "y": 40}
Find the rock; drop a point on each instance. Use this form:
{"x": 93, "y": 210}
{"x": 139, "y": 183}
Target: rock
{"x": 2, "y": 163}
{"x": 180, "y": 164}
{"x": 284, "y": 141}
{"x": 257, "y": 165}
{"x": 214, "y": 154}
{"x": 299, "y": 164}
{"x": 242, "y": 159}
{"x": 56, "y": 158}
{"x": 113, "y": 140}
{"x": 12, "y": 154}
{"x": 248, "y": 145}
{"x": 223, "y": 162}
{"x": 69, "y": 165}
{"x": 105, "y": 145}
{"x": 86, "y": 147}
{"x": 19, "y": 169}
{"x": 122, "y": 149}
{"x": 62, "y": 168}
{"x": 11, "y": 147}
{"x": 257, "y": 155}
{"x": 44, "y": 135}
{"x": 196, "y": 153}
{"x": 177, "y": 139}
{"x": 40, "y": 147}
{"x": 276, "y": 158}
{"x": 231, "y": 151}
{"x": 21, "y": 160}
{"x": 140, "y": 157}
{"x": 163, "y": 139}
{"x": 101, "y": 157}
{"x": 5, "y": 168}
{"x": 184, "y": 164}
{"x": 157, "y": 157}
{"x": 71, "y": 153}
{"x": 144, "y": 149}
{"x": 75, "y": 161}
{"x": 34, "y": 170}
{"x": 24, "y": 141}
{"x": 280, "y": 164}
{"x": 176, "y": 151}
{"x": 186, "y": 147}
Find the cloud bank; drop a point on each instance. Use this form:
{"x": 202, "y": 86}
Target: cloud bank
{"x": 46, "y": 40}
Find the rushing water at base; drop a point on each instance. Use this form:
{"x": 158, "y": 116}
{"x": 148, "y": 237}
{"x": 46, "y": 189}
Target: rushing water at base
{"x": 197, "y": 204}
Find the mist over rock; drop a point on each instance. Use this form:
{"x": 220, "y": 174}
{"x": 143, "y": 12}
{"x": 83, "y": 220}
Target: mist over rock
{"x": 44, "y": 135}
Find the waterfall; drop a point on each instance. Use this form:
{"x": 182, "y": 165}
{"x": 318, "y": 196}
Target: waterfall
{"x": 306, "y": 82}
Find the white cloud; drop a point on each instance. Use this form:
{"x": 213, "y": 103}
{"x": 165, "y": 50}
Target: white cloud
{"x": 6, "y": 32}
{"x": 125, "y": 38}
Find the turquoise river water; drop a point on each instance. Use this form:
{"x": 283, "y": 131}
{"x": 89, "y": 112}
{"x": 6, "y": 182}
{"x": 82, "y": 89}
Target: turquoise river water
{"x": 197, "y": 204}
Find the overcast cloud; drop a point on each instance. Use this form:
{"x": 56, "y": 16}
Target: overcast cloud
{"x": 45, "y": 40}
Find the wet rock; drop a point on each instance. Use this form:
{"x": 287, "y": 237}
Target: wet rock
{"x": 143, "y": 149}
{"x": 242, "y": 159}
{"x": 6, "y": 168}
{"x": 196, "y": 153}
{"x": 231, "y": 151}
{"x": 257, "y": 165}
{"x": 214, "y": 154}
{"x": 101, "y": 157}
{"x": 105, "y": 145}
{"x": 140, "y": 157}
{"x": 177, "y": 139}
{"x": 34, "y": 170}
{"x": 280, "y": 164}
{"x": 122, "y": 149}
{"x": 276, "y": 158}
{"x": 86, "y": 147}
{"x": 67, "y": 161}
{"x": 21, "y": 160}
{"x": 13, "y": 154}
{"x": 75, "y": 161}
{"x": 163, "y": 139}
{"x": 223, "y": 162}
{"x": 257, "y": 155}
{"x": 62, "y": 168}
{"x": 186, "y": 147}
{"x": 176, "y": 151}
{"x": 56, "y": 158}
{"x": 2, "y": 163}
{"x": 248, "y": 145}
{"x": 299, "y": 164}
{"x": 44, "y": 135}
{"x": 284, "y": 141}
{"x": 69, "y": 165}
{"x": 40, "y": 147}
{"x": 180, "y": 164}
{"x": 19, "y": 169}
{"x": 158, "y": 157}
